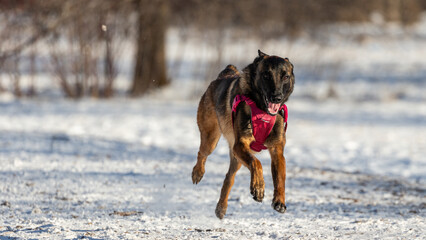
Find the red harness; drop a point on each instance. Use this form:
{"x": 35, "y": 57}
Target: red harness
{"x": 261, "y": 121}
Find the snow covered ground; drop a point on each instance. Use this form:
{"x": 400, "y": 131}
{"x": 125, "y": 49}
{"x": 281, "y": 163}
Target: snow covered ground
{"x": 121, "y": 169}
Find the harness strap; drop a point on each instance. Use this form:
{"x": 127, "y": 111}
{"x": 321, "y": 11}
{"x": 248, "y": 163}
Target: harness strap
{"x": 284, "y": 113}
{"x": 262, "y": 122}
{"x": 239, "y": 98}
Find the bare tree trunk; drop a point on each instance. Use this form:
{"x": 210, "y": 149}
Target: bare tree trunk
{"x": 109, "y": 68}
{"x": 33, "y": 71}
{"x": 393, "y": 10}
{"x": 61, "y": 72}
{"x": 16, "y": 76}
{"x": 2, "y": 89}
{"x": 150, "y": 68}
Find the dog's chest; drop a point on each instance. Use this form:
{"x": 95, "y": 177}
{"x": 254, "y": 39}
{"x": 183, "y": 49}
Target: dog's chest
{"x": 262, "y": 127}
{"x": 262, "y": 123}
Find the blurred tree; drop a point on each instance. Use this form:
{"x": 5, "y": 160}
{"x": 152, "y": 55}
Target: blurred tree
{"x": 83, "y": 40}
{"x": 150, "y": 63}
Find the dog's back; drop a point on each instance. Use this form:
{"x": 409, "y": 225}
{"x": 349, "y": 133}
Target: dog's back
{"x": 229, "y": 72}
{"x": 219, "y": 94}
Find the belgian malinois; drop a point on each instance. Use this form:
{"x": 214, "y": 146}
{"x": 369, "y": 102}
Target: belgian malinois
{"x": 235, "y": 105}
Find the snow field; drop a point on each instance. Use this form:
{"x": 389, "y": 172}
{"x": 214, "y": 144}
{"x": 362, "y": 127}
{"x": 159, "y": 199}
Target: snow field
{"x": 121, "y": 170}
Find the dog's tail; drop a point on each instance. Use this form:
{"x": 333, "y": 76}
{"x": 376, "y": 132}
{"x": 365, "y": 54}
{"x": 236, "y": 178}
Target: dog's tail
{"x": 229, "y": 72}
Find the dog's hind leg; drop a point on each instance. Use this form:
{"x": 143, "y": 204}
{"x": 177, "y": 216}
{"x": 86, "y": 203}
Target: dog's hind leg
{"x": 210, "y": 134}
{"x": 222, "y": 205}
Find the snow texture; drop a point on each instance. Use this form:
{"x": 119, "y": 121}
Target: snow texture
{"x": 121, "y": 169}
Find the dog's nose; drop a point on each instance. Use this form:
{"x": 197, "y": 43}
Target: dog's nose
{"x": 276, "y": 98}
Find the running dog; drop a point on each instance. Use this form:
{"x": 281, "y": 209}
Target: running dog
{"x": 248, "y": 109}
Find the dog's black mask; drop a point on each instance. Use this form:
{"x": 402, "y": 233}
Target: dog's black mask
{"x": 271, "y": 80}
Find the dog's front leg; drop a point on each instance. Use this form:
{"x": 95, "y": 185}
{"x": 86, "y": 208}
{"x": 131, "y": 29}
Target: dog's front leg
{"x": 242, "y": 152}
{"x": 243, "y": 138}
{"x": 278, "y": 169}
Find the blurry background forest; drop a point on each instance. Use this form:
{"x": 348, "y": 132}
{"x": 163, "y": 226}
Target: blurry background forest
{"x": 105, "y": 48}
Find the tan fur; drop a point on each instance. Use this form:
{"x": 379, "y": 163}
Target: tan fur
{"x": 210, "y": 134}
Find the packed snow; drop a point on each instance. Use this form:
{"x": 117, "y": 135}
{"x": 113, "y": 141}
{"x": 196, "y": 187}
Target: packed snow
{"x": 121, "y": 168}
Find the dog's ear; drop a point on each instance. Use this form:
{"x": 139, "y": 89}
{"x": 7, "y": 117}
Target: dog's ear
{"x": 292, "y": 81}
{"x": 251, "y": 69}
{"x": 262, "y": 54}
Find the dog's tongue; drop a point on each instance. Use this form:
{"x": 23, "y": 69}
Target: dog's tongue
{"x": 273, "y": 108}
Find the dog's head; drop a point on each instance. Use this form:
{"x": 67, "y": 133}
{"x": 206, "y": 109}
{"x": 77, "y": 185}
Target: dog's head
{"x": 271, "y": 80}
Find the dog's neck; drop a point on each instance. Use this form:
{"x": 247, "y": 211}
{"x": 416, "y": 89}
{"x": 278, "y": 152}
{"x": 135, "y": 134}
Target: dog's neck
{"x": 247, "y": 85}
{"x": 248, "y": 74}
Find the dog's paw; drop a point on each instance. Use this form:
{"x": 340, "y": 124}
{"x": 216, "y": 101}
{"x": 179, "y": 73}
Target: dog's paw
{"x": 257, "y": 190}
{"x": 220, "y": 211}
{"x": 279, "y": 206}
{"x": 197, "y": 175}
{"x": 257, "y": 194}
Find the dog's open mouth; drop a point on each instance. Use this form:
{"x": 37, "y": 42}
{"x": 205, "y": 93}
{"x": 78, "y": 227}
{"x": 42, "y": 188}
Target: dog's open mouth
{"x": 273, "y": 108}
